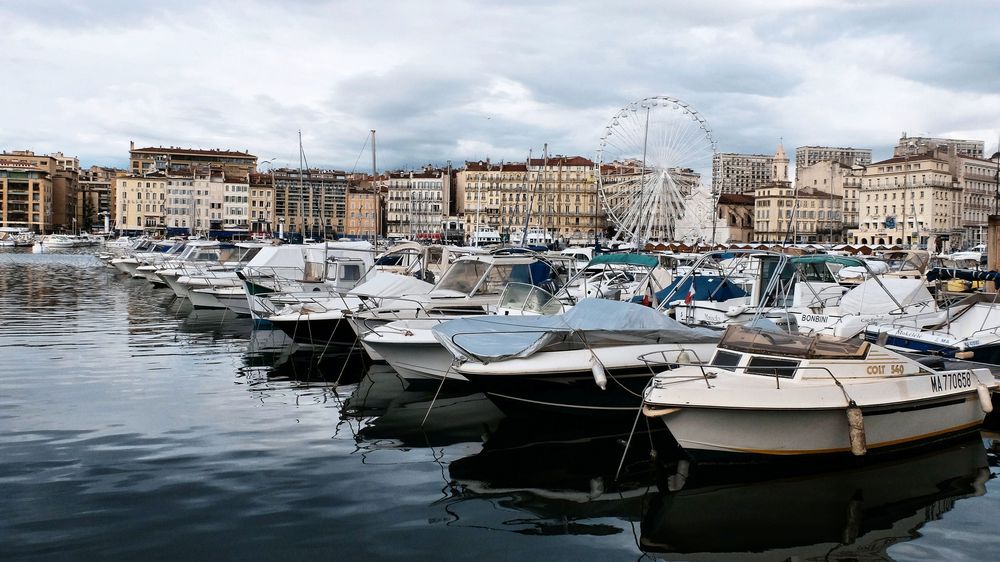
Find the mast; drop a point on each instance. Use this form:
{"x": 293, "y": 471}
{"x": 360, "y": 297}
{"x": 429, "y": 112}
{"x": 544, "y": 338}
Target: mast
{"x": 531, "y": 200}
{"x": 375, "y": 194}
{"x": 302, "y": 217}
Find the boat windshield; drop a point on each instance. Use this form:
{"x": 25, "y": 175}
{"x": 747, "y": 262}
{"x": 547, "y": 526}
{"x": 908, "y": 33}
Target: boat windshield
{"x": 756, "y": 340}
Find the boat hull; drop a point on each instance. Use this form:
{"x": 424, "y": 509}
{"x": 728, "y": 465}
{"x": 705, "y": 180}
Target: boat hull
{"x": 745, "y": 434}
{"x": 312, "y": 331}
{"x": 559, "y": 383}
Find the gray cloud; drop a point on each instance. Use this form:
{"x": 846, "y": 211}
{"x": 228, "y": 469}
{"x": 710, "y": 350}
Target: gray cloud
{"x": 460, "y": 80}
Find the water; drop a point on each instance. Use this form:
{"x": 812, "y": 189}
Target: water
{"x": 135, "y": 427}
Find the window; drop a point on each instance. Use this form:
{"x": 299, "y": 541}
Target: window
{"x": 726, "y": 359}
{"x": 770, "y": 366}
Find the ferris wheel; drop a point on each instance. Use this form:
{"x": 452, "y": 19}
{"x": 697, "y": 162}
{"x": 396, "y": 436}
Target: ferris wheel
{"x": 649, "y": 166}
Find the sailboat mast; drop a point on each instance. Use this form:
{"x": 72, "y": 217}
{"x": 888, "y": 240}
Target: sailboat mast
{"x": 302, "y": 217}
{"x": 531, "y": 201}
{"x": 375, "y": 191}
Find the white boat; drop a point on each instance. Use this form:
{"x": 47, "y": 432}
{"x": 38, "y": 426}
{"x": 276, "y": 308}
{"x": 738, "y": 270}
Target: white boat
{"x": 968, "y": 329}
{"x": 410, "y": 346}
{"x": 770, "y": 394}
{"x": 485, "y": 236}
{"x": 585, "y": 362}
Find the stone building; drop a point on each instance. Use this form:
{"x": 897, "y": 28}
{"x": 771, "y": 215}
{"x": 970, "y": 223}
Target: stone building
{"x": 311, "y": 203}
{"x": 806, "y": 156}
{"x": 561, "y": 192}
{"x": 744, "y": 173}
{"x": 172, "y": 160}
{"x": 833, "y": 176}
{"x": 39, "y": 192}
{"x": 799, "y": 216}
{"x": 910, "y": 200}
{"x": 919, "y": 145}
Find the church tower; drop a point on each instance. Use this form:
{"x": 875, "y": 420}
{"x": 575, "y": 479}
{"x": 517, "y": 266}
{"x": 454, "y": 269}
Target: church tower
{"x": 779, "y": 171}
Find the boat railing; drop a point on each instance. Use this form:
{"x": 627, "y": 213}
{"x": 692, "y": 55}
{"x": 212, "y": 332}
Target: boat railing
{"x": 394, "y": 311}
{"x": 661, "y": 379}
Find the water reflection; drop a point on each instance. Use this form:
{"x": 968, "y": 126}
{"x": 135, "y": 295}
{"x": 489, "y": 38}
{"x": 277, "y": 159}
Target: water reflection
{"x": 399, "y": 415}
{"x": 850, "y": 513}
{"x": 273, "y": 358}
{"x": 552, "y": 480}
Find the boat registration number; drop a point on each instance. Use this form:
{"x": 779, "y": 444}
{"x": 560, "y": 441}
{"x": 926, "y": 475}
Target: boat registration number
{"x": 951, "y": 381}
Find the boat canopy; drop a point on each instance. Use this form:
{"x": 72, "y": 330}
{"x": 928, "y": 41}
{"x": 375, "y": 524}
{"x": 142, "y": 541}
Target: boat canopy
{"x": 965, "y": 274}
{"x": 770, "y": 342}
{"x": 706, "y": 288}
{"x": 827, "y": 258}
{"x": 871, "y": 297}
{"x": 591, "y": 323}
{"x": 388, "y": 284}
{"x": 625, "y": 259}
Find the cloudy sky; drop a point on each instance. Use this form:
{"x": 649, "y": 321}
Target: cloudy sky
{"x": 464, "y": 80}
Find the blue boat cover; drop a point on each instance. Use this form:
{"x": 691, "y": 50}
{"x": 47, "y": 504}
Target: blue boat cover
{"x": 592, "y": 322}
{"x": 705, "y": 289}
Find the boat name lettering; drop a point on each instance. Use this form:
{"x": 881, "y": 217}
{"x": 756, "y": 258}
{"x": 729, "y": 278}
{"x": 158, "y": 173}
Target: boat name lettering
{"x": 951, "y": 381}
{"x": 814, "y": 318}
{"x": 908, "y": 334}
{"x": 895, "y": 369}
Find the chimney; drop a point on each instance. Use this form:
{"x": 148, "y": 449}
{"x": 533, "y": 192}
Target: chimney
{"x": 131, "y": 145}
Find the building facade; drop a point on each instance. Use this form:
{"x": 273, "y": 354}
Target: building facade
{"x": 833, "y": 176}
{"x": 142, "y": 203}
{"x": 806, "y": 156}
{"x": 173, "y": 160}
{"x": 910, "y": 200}
{"x": 797, "y": 215}
{"x": 362, "y": 209}
{"x": 561, "y": 193}
{"x": 96, "y": 197}
{"x": 744, "y": 173}
{"x": 262, "y": 203}
{"x": 312, "y": 202}
{"x": 919, "y": 145}
{"x": 39, "y": 192}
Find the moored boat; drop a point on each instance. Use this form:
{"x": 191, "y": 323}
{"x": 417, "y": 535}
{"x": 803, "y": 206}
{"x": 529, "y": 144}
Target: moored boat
{"x": 767, "y": 394}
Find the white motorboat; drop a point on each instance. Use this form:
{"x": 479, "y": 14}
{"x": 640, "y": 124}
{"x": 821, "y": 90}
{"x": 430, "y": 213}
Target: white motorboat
{"x": 585, "y": 362}
{"x": 770, "y": 394}
{"x": 968, "y": 329}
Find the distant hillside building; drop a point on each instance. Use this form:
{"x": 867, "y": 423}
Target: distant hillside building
{"x": 919, "y": 145}
{"x": 809, "y": 155}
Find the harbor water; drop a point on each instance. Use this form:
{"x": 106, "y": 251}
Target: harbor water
{"x": 136, "y": 427}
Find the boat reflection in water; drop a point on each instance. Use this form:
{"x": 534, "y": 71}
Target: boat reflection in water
{"x": 537, "y": 480}
{"x": 272, "y": 357}
{"x": 393, "y": 412}
{"x": 854, "y": 513}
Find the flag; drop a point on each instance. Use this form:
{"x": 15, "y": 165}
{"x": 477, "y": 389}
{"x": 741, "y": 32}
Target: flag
{"x": 690, "y": 296}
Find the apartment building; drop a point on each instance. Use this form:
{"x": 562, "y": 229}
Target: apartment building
{"x": 560, "y": 192}
{"x": 744, "y": 173}
{"x": 918, "y": 145}
{"x": 173, "y": 160}
{"x": 96, "y": 197}
{"x": 39, "y": 192}
{"x": 797, "y": 215}
{"x": 312, "y": 202}
{"x": 142, "y": 203}
{"x": 833, "y": 176}
{"x": 910, "y": 200}
{"x": 806, "y": 156}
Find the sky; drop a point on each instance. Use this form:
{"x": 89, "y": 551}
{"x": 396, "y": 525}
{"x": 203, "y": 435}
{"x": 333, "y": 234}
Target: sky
{"x": 468, "y": 80}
